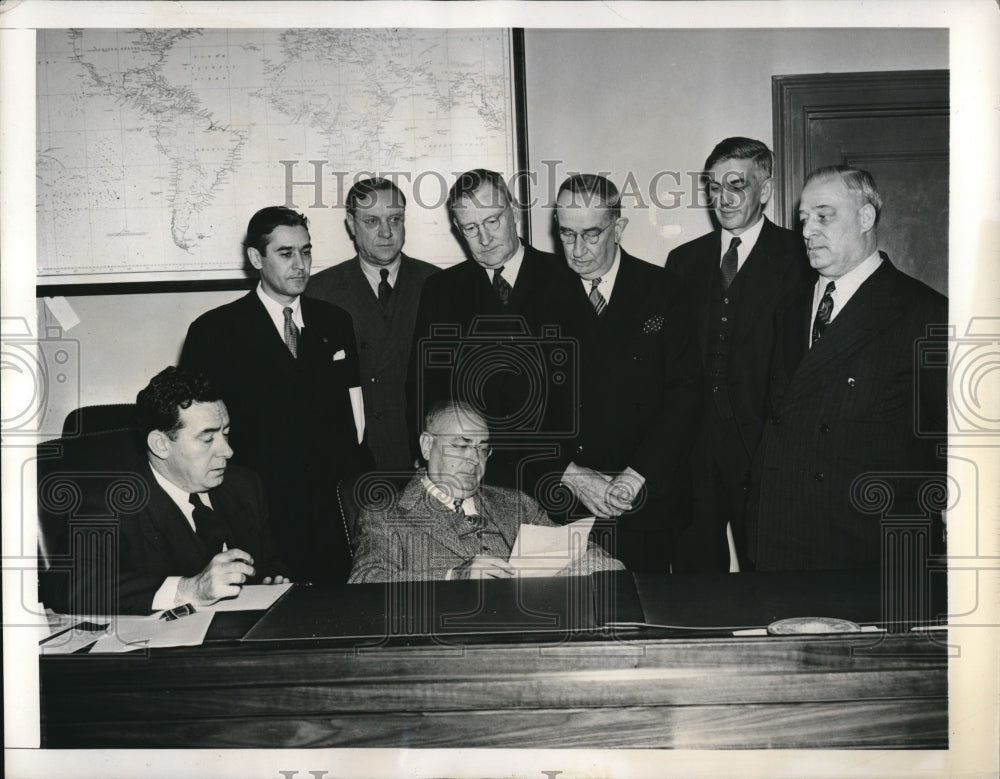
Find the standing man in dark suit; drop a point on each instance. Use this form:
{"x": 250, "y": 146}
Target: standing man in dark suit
{"x": 638, "y": 401}
{"x": 472, "y": 340}
{"x": 287, "y": 367}
{"x": 380, "y": 289}
{"x": 736, "y": 276}
{"x": 195, "y": 529}
{"x": 846, "y": 405}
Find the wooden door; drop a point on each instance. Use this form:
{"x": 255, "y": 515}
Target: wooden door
{"x": 893, "y": 124}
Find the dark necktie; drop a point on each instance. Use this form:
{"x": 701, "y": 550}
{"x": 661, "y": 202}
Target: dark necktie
{"x": 501, "y": 286}
{"x": 291, "y": 333}
{"x": 208, "y": 526}
{"x": 596, "y": 298}
{"x": 730, "y": 263}
{"x": 823, "y": 312}
{"x": 384, "y": 288}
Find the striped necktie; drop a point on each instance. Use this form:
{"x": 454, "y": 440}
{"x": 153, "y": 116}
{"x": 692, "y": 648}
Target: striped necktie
{"x": 291, "y": 333}
{"x": 596, "y": 298}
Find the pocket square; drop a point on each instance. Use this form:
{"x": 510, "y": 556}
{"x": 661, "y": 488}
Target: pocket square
{"x": 340, "y": 355}
{"x": 653, "y": 325}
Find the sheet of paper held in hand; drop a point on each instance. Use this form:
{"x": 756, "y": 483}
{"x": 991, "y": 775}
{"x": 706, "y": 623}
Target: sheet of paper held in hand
{"x": 544, "y": 551}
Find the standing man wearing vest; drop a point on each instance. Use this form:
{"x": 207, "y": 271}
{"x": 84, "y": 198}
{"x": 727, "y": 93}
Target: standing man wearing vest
{"x": 736, "y": 276}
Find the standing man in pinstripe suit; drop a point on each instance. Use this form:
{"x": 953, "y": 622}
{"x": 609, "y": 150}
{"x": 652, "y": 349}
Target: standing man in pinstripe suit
{"x": 846, "y": 407}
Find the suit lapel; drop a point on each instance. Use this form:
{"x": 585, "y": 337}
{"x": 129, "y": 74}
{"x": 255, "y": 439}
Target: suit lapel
{"x": 706, "y": 288}
{"x": 170, "y": 522}
{"x": 872, "y": 308}
{"x": 264, "y": 335}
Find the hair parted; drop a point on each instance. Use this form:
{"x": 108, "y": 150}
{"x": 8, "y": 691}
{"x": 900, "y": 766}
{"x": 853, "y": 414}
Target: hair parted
{"x": 470, "y": 182}
{"x": 159, "y": 403}
{"x": 366, "y": 189}
{"x": 858, "y": 181}
{"x": 740, "y": 148}
{"x": 588, "y": 187}
{"x": 262, "y": 224}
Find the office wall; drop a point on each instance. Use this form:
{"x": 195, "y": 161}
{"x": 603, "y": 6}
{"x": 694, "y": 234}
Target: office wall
{"x": 643, "y": 102}
{"x": 617, "y": 101}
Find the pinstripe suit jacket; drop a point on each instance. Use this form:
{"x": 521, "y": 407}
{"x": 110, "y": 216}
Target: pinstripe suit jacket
{"x": 417, "y": 538}
{"x": 384, "y": 339}
{"x": 844, "y": 419}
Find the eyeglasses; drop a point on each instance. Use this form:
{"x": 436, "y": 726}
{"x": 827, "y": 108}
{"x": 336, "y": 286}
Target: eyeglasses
{"x": 490, "y": 223}
{"x": 463, "y": 447}
{"x": 591, "y": 236}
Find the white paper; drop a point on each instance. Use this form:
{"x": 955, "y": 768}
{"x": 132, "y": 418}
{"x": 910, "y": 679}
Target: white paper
{"x": 130, "y": 633}
{"x": 252, "y": 597}
{"x": 544, "y": 551}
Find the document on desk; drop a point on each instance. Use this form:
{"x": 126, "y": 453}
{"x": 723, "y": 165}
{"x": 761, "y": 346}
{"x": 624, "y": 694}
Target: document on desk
{"x": 252, "y": 597}
{"x": 544, "y": 551}
{"x": 126, "y": 634}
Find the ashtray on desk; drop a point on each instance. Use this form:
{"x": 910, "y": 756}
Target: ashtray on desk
{"x": 798, "y": 626}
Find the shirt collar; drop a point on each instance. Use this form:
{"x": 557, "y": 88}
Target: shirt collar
{"x": 849, "y": 283}
{"x": 277, "y": 311}
{"x": 176, "y": 494}
{"x": 748, "y": 239}
{"x": 607, "y": 285}
{"x": 374, "y": 275}
{"x": 468, "y": 504}
{"x": 511, "y": 267}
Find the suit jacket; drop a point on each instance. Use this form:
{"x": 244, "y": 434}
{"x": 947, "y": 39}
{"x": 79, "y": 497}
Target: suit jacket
{"x": 471, "y": 331}
{"x": 384, "y": 341}
{"x": 417, "y": 538}
{"x": 775, "y": 268}
{"x": 152, "y": 538}
{"x": 292, "y": 420}
{"x": 636, "y": 402}
{"x": 843, "y": 427}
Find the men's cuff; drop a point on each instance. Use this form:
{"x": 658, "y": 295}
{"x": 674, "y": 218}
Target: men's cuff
{"x": 166, "y": 596}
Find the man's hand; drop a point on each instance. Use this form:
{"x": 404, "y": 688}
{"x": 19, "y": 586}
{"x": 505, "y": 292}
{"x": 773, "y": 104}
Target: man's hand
{"x": 276, "y": 580}
{"x": 591, "y": 488}
{"x": 483, "y": 567}
{"x": 624, "y": 489}
{"x": 222, "y": 578}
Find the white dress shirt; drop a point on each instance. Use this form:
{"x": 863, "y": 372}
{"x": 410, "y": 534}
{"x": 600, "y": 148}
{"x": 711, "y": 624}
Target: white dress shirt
{"x": 373, "y": 273}
{"x": 166, "y": 595}
{"x": 276, "y": 310}
{"x": 510, "y": 268}
{"x": 844, "y": 287}
{"x": 748, "y": 239}
{"x": 607, "y": 285}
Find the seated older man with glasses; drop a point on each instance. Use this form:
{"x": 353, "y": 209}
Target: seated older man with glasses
{"x": 446, "y": 524}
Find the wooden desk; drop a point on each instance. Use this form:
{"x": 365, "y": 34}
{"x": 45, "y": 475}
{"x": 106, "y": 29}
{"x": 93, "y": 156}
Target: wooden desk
{"x": 861, "y": 690}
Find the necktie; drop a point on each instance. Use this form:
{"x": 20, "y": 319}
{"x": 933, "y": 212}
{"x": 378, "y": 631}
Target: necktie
{"x": 477, "y": 521}
{"x": 730, "y": 263}
{"x": 500, "y": 285}
{"x": 384, "y": 288}
{"x": 208, "y": 526}
{"x": 596, "y": 298}
{"x": 291, "y": 333}
{"x": 823, "y": 312}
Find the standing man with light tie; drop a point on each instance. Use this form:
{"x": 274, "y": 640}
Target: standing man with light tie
{"x": 502, "y": 285}
{"x": 848, "y": 399}
{"x": 380, "y": 289}
{"x": 638, "y": 401}
{"x": 736, "y": 276}
{"x": 287, "y": 368}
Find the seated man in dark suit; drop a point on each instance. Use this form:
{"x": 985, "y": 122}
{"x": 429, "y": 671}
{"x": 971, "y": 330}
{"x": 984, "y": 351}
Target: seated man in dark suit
{"x": 197, "y": 530}
{"x": 447, "y": 524}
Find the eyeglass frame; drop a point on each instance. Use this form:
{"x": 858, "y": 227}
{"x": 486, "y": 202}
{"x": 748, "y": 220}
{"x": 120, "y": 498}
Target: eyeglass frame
{"x": 591, "y": 236}
{"x": 473, "y": 229}
{"x": 483, "y": 451}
